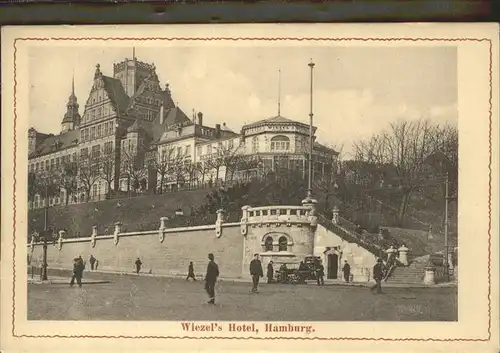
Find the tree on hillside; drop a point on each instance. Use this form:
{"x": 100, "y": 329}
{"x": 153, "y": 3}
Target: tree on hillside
{"x": 133, "y": 167}
{"x": 247, "y": 164}
{"x": 328, "y": 183}
{"x": 68, "y": 178}
{"x": 161, "y": 164}
{"x": 191, "y": 170}
{"x": 404, "y": 146}
{"x": 228, "y": 155}
{"x": 203, "y": 168}
{"x": 88, "y": 173}
{"x": 108, "y": 169}
{"x": 46, "y": 184}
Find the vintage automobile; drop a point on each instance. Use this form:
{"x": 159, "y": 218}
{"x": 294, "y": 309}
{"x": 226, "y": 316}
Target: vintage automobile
{"x": 298, "y": 273}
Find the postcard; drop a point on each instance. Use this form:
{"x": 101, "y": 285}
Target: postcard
{"x": 250, "y": 187}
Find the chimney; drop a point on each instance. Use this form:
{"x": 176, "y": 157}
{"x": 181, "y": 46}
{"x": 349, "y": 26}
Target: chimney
{"x": 217, "y": 130}
{"x": 200, "y": 118}
{"x": 161, "y": 114}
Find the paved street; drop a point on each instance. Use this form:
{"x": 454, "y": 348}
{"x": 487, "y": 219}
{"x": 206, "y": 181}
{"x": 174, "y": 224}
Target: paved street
{"x": 126, "y": 297}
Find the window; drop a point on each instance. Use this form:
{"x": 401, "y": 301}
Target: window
{"x": 268, "y": 245}
{"x": 280, "y": 143}
{"x": 255, "y": 144}
{"x": 283, "y": 244}
{"x": 96, "y": 151}
{"x": 198, "y": 150}
{"x": 99, "y": 131}
{"x": 84, "y": 152}
{"x": 58, "y": 160}
{"x": 37, "y": 166}
{"x": 52, "y": 164}
{"x": 92, "y": 133}
{"x": 94, "y": 190}
{"x": 108, "y": 147}
{"x": 179, "y": 151}
{"x": 209, "y": 149}
{"x": 231, "y": 144}
{"x": 187, "y": 151}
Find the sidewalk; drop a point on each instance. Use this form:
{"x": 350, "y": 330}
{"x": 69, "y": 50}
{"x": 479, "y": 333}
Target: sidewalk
{"x": 63, "y": 280}
{"x": 328, "y": 282}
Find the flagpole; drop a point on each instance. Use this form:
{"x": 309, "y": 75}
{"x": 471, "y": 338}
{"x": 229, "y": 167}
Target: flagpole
{"x": 309, "y": 189}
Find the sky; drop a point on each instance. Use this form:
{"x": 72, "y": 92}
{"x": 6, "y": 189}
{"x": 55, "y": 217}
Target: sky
{"x": 357, "y": 91}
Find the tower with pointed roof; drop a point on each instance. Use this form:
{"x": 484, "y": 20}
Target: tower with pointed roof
{"x": 71, "y": 120}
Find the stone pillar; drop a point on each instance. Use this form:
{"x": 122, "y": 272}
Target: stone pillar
{"x": 403, "y": 255}
{"x": 390, "y": 252}
{"x": 163, "y": 222}
{"x": 335, "y": 215}
{"x": 244, "y": 220}
{"x": 429, "y": 277}
{"x": 118, "y": 230}
{"x": 429, "y": 235}
{"x": 93, "y": 236}
{"x": 218, "y": 222}
{"x": 163, "y": 226}
{"x": 94, "y": 231}
{"x": 61, "y": 237}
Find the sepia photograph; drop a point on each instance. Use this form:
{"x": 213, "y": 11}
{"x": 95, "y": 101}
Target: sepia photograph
{"x": 293, "y": 189}
{"x": 321, "y": 180}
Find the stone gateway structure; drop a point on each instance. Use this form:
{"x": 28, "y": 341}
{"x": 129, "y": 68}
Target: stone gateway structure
{"x": 282, "y": 234}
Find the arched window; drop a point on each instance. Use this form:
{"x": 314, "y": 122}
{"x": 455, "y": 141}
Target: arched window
{"x": 268, "y": 244}
{"x": 283, "y": 244}
{"x": 280, "y": 143}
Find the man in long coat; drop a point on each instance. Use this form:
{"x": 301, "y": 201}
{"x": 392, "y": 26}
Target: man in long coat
{"x": 211, "y": 278}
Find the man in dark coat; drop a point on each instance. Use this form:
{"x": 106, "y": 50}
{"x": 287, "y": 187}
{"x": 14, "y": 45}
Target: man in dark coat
{"x": 92, "y": 261}
{"x": 138, "y": 264}
{"x": 270, "y": 272}
{"x": 211, "y": 278}
{"x": 256, "y": 272}
{"x": 347, "y": 271}
{"x": 320, "y": 273}
{"x": 191, "y": 272}
{"x": 77, "y": 272}
{"x": 378, "y": 271}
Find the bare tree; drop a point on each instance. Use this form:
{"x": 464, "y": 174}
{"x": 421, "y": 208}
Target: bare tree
{"x": 68, "y": 178}
{"x": 88, "y": 173}
{"x": 47, "y": 184}
{"x": 228, "y": 155}
{"x": 405, "y": 147}
{"x": 108, "y": 169}
{"x": 134, "y": 168}
{"x": 327, "y": 182}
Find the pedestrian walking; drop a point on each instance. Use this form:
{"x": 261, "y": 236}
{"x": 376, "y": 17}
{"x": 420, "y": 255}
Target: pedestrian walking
{"x": 320, "y": 273}
{"x": 256, "y": 272}
{"x": 96, "y": 264}
{"x": 378, "y": 272}
{"x": 347, "y": 271}
{"x": 191, "y": 272}
{"x": 92, "y": 261}
{"x": 210, "y": 278}
{"x": 270, "y": 272}
{"x": 77, "y": 272}
{"x": 138, "y": 264}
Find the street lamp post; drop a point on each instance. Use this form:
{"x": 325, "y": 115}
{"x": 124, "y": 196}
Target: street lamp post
{"x": 309, "y": 187}
{"x": 45, "y": 233}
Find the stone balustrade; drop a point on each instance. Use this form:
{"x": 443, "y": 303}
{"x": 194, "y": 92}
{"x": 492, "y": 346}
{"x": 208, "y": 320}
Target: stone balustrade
{"x": 271, "y": 214}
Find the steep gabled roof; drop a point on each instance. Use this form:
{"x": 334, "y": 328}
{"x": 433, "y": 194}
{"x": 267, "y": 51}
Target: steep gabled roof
{"x": 116, "y": 93}
{"x": 173, "y": 116}
{"x": 57, "y": 143}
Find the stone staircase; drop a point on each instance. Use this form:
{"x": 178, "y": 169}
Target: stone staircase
{"x": 407, "y": 275}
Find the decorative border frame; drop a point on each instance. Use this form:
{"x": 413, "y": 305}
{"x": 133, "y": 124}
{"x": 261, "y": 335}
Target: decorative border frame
{"x": 317, "y": 39}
